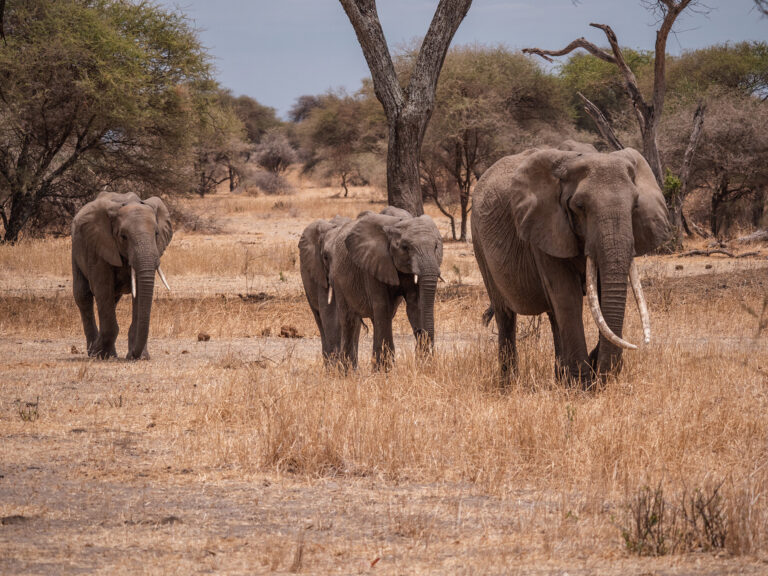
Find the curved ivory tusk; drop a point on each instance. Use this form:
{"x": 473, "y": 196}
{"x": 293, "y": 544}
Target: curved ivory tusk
{"x": 415, "y": 278}
{"x": 330, "y": 293}
{"x": 162, "y": 277}
{"x": 133, "y": 282}
{"x": 597, "y": 314}
{"x": 637, "y": 289}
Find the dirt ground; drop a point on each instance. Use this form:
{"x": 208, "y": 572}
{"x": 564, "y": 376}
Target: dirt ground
{"x": 241, "y": 455}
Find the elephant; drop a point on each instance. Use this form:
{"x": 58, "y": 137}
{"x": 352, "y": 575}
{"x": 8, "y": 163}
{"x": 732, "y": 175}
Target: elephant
{"x": 314, "y": 262}
{"x": 375, "y": 262}
{"x": 548, "y": 225}
{"x": 117, "y": 241}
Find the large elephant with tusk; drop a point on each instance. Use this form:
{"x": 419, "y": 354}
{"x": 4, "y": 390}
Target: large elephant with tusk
{"x": 549, "y": 226}
{"x": 117, "y": 241}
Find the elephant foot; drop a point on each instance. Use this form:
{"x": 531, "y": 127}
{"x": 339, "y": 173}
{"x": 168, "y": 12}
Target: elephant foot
{"x": 102, "y": 350}
{"x": 604, "y": 367}
{"x": 582, "y": 376}
{"x": 143, "y": 356}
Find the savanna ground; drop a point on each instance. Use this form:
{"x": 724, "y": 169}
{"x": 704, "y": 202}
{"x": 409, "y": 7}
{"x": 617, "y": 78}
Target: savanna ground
{"x": 242, "y": 455}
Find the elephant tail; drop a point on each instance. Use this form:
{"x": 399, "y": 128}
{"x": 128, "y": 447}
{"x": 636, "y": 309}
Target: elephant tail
{"x": 488, "y": 315}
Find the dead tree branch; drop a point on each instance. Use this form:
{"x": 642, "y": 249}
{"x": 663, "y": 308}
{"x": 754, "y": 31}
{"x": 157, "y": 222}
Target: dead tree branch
{"x": 578, "y": 43}
{"x": 718, "y": 251}
{"x": 603, "y": 126}
{"x": 647, "y": 114}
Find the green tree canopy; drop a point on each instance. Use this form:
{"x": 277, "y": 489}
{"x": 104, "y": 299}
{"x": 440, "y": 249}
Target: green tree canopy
{"x": 92, "y": 93}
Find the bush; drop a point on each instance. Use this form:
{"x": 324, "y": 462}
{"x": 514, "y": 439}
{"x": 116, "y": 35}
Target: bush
{"x": 271, "y": 183}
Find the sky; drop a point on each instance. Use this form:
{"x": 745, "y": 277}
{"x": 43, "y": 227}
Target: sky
{"x": 278, "y": 50}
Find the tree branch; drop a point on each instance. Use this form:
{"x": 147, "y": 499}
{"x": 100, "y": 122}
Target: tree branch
{"x": 365, "y": 21}
{"x": 673, "y": 10}
{"x": 642, "y": 109}
{"x": 690, "y": 151}
{"x": 445, "y": 22}
{"x": 605, "y": 129}
{"x": 578, "y": 43}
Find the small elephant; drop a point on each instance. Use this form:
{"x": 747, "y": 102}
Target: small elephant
{"x": 550, "y": 225}
{"x": 375, "y": 262}
{"x": 117, "y": 241}
{"x": 314, "y": 261}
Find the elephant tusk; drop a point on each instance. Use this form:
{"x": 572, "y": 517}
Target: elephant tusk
{"x": 133, "y": 283}
{"x": 415, "y": 278}
{"x": 642, "y": 306}
{"x": 162, "y": 277}
{"x": 597, "y": 314}
{"x": 330, "y": 293}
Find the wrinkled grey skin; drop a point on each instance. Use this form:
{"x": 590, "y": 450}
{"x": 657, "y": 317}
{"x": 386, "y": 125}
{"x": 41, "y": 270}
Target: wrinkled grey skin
{"x": 110, "y": 235}
{"x": 535, "y": 218}
{"x": 314, "y": 262}
{"x": 373, "y": 260}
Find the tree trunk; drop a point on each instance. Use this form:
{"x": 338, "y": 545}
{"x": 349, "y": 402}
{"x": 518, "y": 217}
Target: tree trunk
{"x": 718, "y": 198}
{"x": 403, "y": 150}
{"x": 408, "y": 111}
{"x": 464, "y": 201}
{"x": 22, "y": 209}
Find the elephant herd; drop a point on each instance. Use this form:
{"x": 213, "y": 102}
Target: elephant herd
{"x": 549, "y": 226}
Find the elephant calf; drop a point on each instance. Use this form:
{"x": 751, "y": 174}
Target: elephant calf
{"x": 117, "y": 241}
{"x": 368, "y": 266}
{"x": 550, "y": 225}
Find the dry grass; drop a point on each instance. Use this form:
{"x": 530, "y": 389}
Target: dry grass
{"x": 243, "y": 455}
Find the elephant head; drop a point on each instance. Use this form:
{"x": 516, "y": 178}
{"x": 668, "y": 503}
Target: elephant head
{"x": 606, "y": 207}
{"x": 124, "y": 230}
{"x": 400, "y": 250}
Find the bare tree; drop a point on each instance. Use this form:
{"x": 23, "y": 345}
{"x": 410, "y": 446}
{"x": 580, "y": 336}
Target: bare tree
{"x": 762, "y": 5}
{"x": 647, "y": 113}
{"x": 408, "y": 110}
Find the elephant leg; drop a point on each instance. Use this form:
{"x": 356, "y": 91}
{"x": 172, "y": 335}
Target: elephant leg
{"x": 562, "y": 285}
{"x": 84, "y": 301}
{"x": 350, "y": 334}
{"x": 133, "y": 330}
{"x": 560, "y": 362}
{"x": 104, "y": 345}
{"x": 506, "y": 321}
{"x": 383, "y": 342}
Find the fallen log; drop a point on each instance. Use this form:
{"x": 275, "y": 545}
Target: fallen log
{"x": 718, "y": 251}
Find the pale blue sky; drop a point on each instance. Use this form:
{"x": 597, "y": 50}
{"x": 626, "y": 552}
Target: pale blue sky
{"x": 277, "y": 50}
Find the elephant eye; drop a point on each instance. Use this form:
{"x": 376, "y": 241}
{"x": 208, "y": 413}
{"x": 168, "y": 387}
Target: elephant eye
{"x": 123, "y": 236}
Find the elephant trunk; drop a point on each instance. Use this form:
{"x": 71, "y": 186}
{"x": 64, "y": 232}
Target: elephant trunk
{"x": 144, "y": 267}
{"x": 614, "y": 262}
{"x": 427, "y": 289}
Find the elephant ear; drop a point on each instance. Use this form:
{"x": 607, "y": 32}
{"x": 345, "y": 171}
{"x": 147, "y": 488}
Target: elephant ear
{"x": 534, "y": 191}
{"x": 310, "y": 250}
{"x": 368, "y": 245}
{"x": 650, "y": 218}
{"x": 94, "y": 223}
{"x": 163, "y": 217}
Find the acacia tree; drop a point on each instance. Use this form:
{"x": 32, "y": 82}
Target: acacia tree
{"x": 489, "y": 102}
{"x": 92, "y": 93}
{"x": 408, "y": 109}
